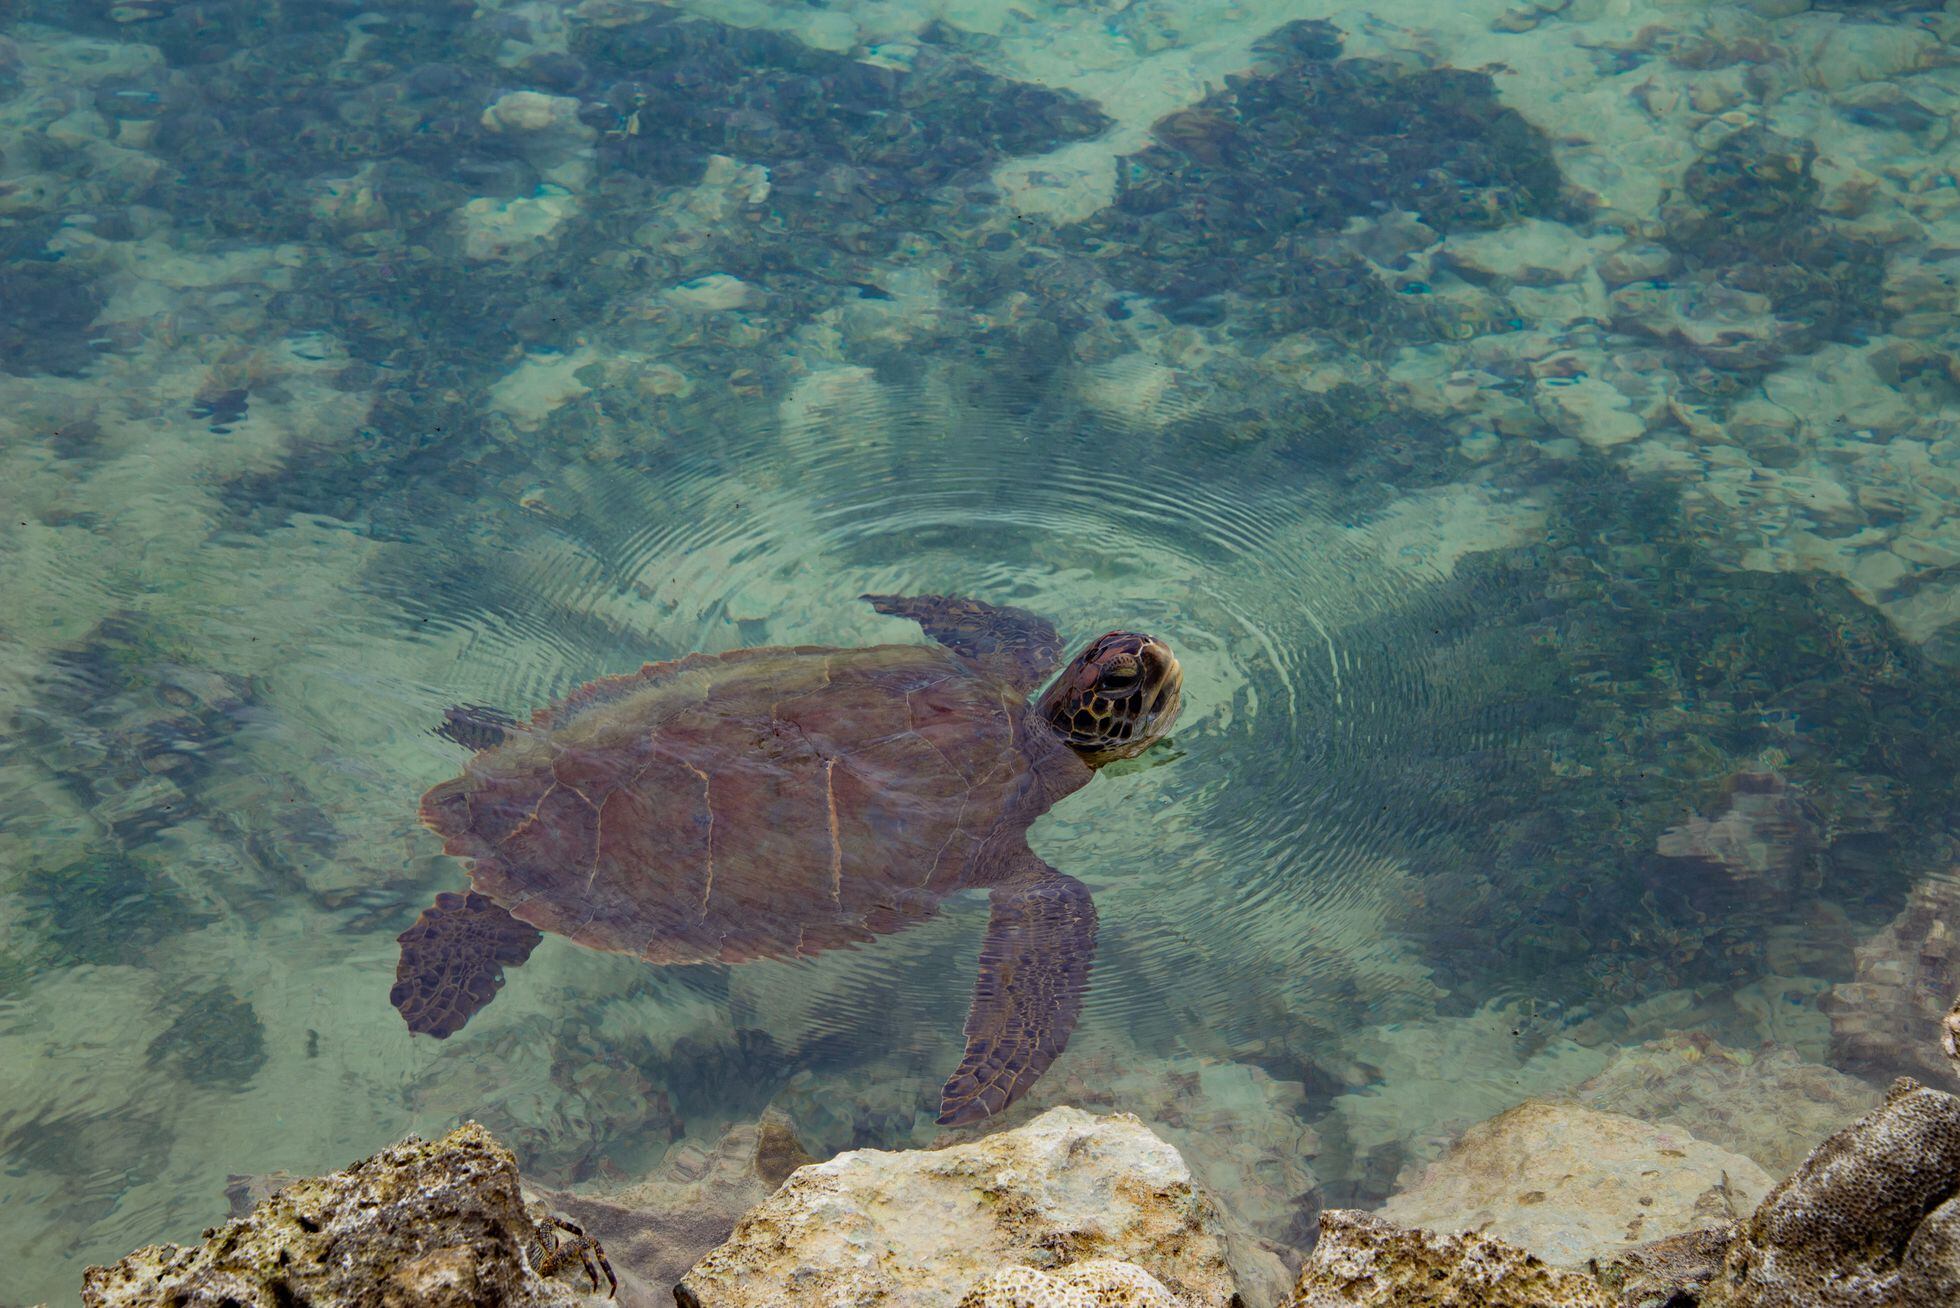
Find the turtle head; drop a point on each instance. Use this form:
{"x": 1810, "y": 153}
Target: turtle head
{"x": 1117, "y": 698}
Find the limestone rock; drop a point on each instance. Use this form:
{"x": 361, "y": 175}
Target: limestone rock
{"x": 1364, "y": 1261}
{"x": 1889, "y": 1018}
{"x": 1242, "y": 1133}
{"x": 1569, "y": 1183}
{"x": 1098, "y": 1283}
{"x": 1769, "y": 1104}
{"x": 420, "y": 1224}
{"x": 1872, "y": 1217}
{"x": 922, "y": 1227}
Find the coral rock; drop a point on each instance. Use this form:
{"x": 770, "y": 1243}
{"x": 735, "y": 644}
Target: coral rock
{"x": 1569, "y": 1183}
{"x": 425, "y": 1224}
{"x": 1098, "y": 1283}
{"x": 1889, "y": 1017}
{"x": 922, "y": 1227}
{"x": 1871, "y": 1218}
{"x": 1363, "y": 1261}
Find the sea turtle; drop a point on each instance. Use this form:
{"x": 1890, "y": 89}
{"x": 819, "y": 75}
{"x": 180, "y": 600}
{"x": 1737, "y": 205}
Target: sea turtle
{"x": 774, "y": 803}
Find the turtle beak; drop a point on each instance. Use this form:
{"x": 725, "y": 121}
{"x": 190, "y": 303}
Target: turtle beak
{"x": 1166, "y": 677}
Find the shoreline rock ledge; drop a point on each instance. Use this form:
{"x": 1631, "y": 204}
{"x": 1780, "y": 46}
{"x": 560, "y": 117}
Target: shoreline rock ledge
{"x": 1073, "y": 1210}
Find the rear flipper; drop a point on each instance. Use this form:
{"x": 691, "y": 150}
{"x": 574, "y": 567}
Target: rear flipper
{"x": 1034, "y": 970}
{"x": 453, "y": 961}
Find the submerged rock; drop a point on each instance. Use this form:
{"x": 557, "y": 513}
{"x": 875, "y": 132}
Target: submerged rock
{"x": 1769, "y": 1104}
{"x": 1888, "y": 1018}
{"x": 923, "y": 1227}
{"x": 1365, "y": 1261}
{"x": 1871, "y": 1218}
{"x": 656, "y": 1228}
{"x": 1570, "y": 1183}
{"x": 1768, "y": 833}
{"x": 422, "y": 1223}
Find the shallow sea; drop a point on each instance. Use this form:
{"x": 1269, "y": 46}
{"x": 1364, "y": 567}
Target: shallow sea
{"x": 1531, "y": 422}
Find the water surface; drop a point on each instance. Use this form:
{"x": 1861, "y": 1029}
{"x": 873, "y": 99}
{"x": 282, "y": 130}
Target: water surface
{"x": 1531, "y": 428}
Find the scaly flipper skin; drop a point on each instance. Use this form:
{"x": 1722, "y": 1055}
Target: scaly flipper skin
{"x": 1034, "y": 970}
{"x": 453, "y": 961}
{"x": 1020, "y": 646}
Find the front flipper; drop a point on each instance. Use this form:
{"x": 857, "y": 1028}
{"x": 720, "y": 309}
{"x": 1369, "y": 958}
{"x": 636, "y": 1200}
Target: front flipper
{"x": 453, "y": 961}
{"x": 1034, "y": 969}
{"x": 1018, "y": 645}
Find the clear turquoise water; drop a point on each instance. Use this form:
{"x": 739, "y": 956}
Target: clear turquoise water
{"x": 1522, "y": 423}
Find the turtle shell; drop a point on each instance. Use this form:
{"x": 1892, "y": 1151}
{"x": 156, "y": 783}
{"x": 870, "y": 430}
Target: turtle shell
{"x": 759, "y": 803}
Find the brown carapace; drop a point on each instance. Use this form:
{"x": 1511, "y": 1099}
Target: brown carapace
{"x": 774, "y": 803}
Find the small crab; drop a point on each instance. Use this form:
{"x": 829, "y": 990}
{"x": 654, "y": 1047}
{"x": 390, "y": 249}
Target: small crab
{"x": 550, "y": 1254}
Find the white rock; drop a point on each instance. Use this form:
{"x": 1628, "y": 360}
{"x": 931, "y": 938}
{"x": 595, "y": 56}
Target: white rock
{"x": 1533, "y": 253}
{"x": 514, "y": 229}
{"x": 1848, "y": 55}
{"x": 922, "y": 1227}
{"x": 1590, "y": 410}
{"x": 539, "y": 386}
{"x": 715, "y": 291}
{"x": 533, "y": 111}
{"x": 1636, "y": 263}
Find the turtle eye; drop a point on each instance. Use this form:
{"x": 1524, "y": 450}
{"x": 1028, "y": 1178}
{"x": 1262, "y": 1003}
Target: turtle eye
{"x": 1122, "y": 675}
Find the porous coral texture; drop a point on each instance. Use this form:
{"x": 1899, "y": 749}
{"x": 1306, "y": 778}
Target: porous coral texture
{"x": 437, "y": 1225}
{"x": 1872, "y": 1218}
{"x": 1098, "y": 1283}
{"x": 1364, "y": 1261}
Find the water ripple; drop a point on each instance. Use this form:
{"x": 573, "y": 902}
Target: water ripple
{"x": 1261, "y": 837}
